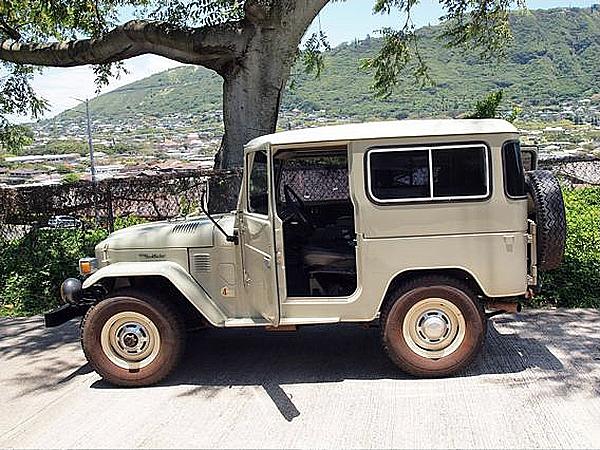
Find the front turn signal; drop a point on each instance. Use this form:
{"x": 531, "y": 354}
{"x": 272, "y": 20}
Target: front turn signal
{"x": 88, "y": 266}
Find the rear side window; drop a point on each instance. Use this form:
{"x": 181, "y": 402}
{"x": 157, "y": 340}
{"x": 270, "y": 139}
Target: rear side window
{"x": 428, "y": 173}
{"x": 460, "y": 172}
{"x": 514, "y": 176}
{"x": 400, "y": 175}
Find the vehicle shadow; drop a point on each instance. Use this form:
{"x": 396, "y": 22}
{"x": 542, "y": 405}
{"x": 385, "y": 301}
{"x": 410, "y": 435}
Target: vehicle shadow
{"x": 222, "y": 359}
{"x": 560, "y": 350}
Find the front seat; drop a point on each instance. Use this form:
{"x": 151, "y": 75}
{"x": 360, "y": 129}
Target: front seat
{"x": 321, "y": 259}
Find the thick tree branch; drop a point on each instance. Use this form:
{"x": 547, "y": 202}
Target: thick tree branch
{"x": 280, "y": 12}
{"x": 211, "y": 46}
{"x": 10, "y": 31}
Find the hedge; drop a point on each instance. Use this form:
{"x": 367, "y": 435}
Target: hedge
{"x": 33, "y": 267}
{"x": 576, "y": 283}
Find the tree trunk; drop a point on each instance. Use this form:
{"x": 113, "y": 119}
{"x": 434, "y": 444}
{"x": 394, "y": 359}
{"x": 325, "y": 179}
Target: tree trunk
{"x": 252, "y": 93}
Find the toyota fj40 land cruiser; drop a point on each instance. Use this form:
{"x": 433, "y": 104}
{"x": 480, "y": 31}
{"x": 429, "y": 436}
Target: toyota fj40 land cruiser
{"x": 418, "y": 226}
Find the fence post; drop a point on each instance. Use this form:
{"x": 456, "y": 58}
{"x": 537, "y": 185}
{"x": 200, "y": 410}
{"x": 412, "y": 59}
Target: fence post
{"x": 109, "y": 208}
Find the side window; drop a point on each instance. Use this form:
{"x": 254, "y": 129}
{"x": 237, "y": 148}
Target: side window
{"x": 400, "y": 174}
{"x": 434, "y": 173}
{"x": 258, "y": 186}
{"x": 460, "y": 172}
{"x": 514, "y": 177}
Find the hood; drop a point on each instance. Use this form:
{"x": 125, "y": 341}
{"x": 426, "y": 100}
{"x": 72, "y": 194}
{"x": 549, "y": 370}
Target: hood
{"x": 190, "y": 232}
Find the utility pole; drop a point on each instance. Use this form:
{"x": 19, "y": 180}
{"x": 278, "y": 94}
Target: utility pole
{"x": 92, "y": 159}
{"x": 89, "y": 136}
{"x": 90, "y": 142}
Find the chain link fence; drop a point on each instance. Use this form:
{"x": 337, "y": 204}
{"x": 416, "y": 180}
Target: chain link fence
{"x": 575, "y": 170}
{"x": 150, "y": 198}
{"x": 165, "y": 196}
{"x": 45, "y": 229}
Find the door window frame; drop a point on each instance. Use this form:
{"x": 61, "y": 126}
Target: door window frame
{"x": 248, "y": 172}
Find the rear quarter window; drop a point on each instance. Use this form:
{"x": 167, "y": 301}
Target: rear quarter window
{"x": 514, "y": 175}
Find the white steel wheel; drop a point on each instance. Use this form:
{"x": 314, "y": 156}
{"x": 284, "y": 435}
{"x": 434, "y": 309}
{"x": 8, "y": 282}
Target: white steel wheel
{"x": 130, "y": 340}
{"x": 133, "y": 338}
{"x": 434, "y": 328}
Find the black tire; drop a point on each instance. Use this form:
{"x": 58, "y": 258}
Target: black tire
{"x": 103, "y": 355}
{"x": 549, "y": 216}
{"x": 397, "y": 311}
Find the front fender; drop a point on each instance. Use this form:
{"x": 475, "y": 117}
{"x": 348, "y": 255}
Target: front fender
{"x": 173, "y": 272}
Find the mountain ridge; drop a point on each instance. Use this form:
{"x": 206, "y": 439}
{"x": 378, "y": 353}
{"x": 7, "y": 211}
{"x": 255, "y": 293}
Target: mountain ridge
{"x": 555, "y": 56}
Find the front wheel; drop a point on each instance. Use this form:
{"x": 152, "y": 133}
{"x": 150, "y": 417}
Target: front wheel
{"x": 433, "y": 326}
{"x": 132, "y": 339}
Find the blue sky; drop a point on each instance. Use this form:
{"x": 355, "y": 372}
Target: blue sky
{"x": 342, "y": 22}
{"x": 353, "y": 18}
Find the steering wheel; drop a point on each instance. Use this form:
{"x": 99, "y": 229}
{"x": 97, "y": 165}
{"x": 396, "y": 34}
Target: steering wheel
{"x": 295, "y": 202}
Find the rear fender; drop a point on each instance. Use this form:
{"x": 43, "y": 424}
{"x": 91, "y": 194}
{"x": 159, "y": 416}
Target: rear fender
{"x": 173, "y": 272}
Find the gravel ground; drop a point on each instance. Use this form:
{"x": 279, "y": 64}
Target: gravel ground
{"x": 537, "y": 384}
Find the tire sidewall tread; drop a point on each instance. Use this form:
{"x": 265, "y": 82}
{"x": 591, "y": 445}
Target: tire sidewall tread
{"x": 549, "y": 215}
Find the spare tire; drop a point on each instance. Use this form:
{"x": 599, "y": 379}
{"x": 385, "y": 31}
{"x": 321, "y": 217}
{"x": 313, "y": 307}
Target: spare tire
{"x": 548, "y": 212}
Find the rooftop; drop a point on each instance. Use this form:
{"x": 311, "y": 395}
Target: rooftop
{"x": 384, "y": 130}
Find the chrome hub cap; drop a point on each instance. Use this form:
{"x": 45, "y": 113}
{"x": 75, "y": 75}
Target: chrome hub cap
{"x": 130, "y": 340}
{"x": 434, "y": 328}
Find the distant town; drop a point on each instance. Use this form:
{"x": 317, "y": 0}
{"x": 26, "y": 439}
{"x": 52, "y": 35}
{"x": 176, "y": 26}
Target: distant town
{"x": 153, "y": 144}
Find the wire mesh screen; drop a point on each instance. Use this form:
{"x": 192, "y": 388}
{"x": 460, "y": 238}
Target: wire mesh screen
{"x": 315, "y": 179}
{"x": 575, "y": 169}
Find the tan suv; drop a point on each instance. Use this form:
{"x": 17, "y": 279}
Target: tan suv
{"x": 417, "y": 226}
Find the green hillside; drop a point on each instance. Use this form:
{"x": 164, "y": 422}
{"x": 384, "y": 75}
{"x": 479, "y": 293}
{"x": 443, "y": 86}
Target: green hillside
{"x": 555, "y": 56}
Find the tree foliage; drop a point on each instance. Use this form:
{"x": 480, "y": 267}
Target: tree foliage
{"x": 217, "y": 34}
{"x": 488, "y": 107}
{"x": 479, "y": 24}
{"x": 17, "y": 97}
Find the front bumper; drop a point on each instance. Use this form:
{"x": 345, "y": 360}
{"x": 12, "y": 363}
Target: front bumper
{"x": 75, "y": 305}
{"x": 63, "y": 314}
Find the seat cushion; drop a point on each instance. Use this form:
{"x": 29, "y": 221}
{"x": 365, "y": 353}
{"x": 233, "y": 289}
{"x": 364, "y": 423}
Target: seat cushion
{"x": 321, "y": 257}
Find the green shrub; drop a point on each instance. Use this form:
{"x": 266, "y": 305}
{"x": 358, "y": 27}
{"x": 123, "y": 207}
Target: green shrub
{"x": 576, "y": 283}
{"x": 33, "y": 267}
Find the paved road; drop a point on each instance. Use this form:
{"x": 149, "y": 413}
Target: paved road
{"x": 536, "y": 385}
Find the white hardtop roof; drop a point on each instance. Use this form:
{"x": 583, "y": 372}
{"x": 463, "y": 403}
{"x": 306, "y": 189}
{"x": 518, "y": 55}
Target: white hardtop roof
{"x": 385, "y": 130}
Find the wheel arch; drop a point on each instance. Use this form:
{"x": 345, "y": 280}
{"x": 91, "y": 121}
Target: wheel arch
{"x": 166, "y": 276}
{"x": 458, "y": 273}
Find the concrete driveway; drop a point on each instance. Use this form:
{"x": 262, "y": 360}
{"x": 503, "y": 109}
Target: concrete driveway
{"x": 536, "y": 385}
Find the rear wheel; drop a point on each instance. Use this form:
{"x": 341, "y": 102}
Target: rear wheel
{"x": 433, "y": 326}
{"x": 132, "y": 339}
